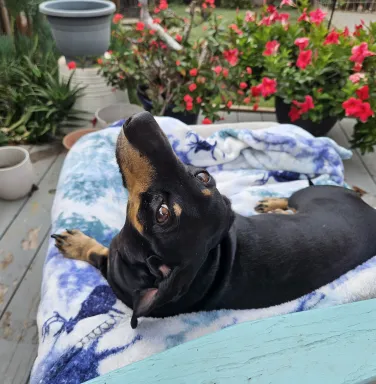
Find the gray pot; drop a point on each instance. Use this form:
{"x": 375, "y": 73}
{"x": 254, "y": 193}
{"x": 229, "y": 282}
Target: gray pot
{"x": 80, "y": 27}
{"x": 119, "y": 111}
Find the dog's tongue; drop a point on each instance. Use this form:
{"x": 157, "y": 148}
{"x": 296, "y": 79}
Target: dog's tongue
{"x": 144, "y": 134}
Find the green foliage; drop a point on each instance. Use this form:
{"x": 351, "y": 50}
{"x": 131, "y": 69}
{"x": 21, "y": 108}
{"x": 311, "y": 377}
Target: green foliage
{"x": 233, "y": 4}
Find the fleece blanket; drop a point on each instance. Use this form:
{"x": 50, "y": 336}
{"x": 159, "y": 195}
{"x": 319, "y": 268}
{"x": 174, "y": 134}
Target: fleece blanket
{"x": 84, "y": 331}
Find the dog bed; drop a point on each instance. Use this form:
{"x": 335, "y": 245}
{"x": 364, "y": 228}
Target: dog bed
{"x": 84, "y": 331}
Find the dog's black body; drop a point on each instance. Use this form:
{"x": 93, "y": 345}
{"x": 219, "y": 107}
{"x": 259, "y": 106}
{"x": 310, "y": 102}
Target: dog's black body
{"x": 205, "y": 256}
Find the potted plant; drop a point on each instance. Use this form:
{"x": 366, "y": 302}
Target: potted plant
{"x": 313, "y": 72}
{"x": 177, "y": 75}
{"x": 80, "y": 27}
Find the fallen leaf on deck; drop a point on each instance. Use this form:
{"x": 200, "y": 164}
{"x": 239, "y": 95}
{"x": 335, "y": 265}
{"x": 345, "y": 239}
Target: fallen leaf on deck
{"x": 32, "y": 239}
{"x": 8, "y": 259}
{"x": 7, "y": 330}
{"x": 3, "y": 291}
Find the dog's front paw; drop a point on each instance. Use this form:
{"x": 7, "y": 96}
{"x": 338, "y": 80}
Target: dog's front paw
{"x": 271, "y": 204}
{"x": 73, "y": 244}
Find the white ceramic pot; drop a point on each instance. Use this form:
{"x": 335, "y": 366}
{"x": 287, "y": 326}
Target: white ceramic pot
{"x": 119, "y": 111}
{"x": 16, "y": 173}
{"x": 97, "y": 93}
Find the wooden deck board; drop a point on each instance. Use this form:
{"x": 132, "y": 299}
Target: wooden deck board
{"x": 18, "y": 327}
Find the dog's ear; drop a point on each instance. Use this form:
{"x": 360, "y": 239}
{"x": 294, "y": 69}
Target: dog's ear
{"x": 143, "y": 303}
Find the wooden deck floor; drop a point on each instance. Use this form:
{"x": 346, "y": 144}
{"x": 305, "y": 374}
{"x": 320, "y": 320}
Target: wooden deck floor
{"x": 24, "y": 230}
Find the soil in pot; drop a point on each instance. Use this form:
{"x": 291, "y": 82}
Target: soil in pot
{"x": 185, "y": 117}
{"x": 315, "y": 128}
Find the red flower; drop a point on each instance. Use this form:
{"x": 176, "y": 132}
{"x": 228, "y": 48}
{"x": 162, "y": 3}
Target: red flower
{"x": 249, "y": 17}
{"x": 235, "y": 28}
{"x": 179, "y": 38}
{"x": 346, "y": 32}
{"x": 249, "y": 70}
{"x": 157, "y": 20}
{"x": 302, "y": 43}
{"x": 217, "y": 69}
{"x": 332, "y": 38}
{"x": 271, "y": 48}
{"x": 304, "y": 16}
{"x": 189, "y": 106}
{"x": 358, "y": 28}
{"x": 271, "y": 9}
{"x": 317, "y": 16}
{"x": 363, "y": 93}
{"x": 152, "y": 32}
{"x": 231, "y": 55}
{"x": 360, "y": 52}
{"x": 363, "y": 112}
{"x": 304, "y": 59}
{"x": 188, "y": 98}
{"x": 255, "y": 107}
{"x": 163, "y": 5}
{"x": 177, "y": 62}
{"x": 156, "y": 10}
{"x": 351, "y": 106}
{"x": 193, "y": 72}
{"x": 71, "y": 65}
{"x": 256, "y": 90}
{"x": 305, "y": 106}
{"x": 225, "y": 72}
{"x": 140, "y": 26}
{"x": 229, "y": 104}
{"x": 100, "y": 61}
{"x": 283, "y": 18}
{"x": 117, "y": 17}
{"x": 198, "y": 100}
{"x": 204, "y": 6}
{"x": 294, "y": 114}
{"x": 206, "y": 121}
{"x": 243, "y": 85}
{"x": 192, "y": 87}
{"x": 247, "y": 100}
{"x": 268, "y": 86}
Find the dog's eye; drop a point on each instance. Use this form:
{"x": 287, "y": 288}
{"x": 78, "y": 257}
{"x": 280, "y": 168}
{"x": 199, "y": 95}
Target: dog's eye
{"x": 203, "y": 177}
{"x": 163, "y": 214}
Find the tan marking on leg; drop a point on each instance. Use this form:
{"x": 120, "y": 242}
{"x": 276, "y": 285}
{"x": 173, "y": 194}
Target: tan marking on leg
{"x": 73, "y": 244}
{"x": 271, "y": 204}
{"x": 137, "y": 174}
{"x": 206, "y": 192}
{"x": 177, "y": 209}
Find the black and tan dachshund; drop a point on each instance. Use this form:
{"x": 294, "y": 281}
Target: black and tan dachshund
{"x": 183, "y": 249}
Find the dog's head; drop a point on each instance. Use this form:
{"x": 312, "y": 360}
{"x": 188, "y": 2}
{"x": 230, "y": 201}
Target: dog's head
{"x": 175, "y": 214}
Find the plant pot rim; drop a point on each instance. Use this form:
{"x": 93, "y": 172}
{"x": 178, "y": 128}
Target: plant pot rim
{"x": 49, "y": 8}
{"x": 23, "y": 150}
{"x": 74, "y": 133}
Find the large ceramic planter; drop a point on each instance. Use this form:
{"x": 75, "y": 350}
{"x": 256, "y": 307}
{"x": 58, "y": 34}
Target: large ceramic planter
{"x": 315, "y": 128}
{"x": 80, "y": 27}
{"x": 185, "y": 117}
{"x": 97, "y": 93}
{"x": 16, "y": 173}
{"x": 115, "y": 112}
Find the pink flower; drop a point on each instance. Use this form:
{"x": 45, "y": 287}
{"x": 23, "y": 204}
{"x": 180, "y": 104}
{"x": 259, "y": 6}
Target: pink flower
{"x": 302, "y": 43}
{"x": 283, "y": 18}
{"x": 357, "y": 67}
{"x": 249, "y": 70}
{"x": 71, "y": 65}
{"x": 304, "y": 59}
{"x": 157, "y": 20}
{"x": 271, "y": 9}
{"x": 243, "y": 85}
{"x": 271, "y": 48}
{"x": 255, "y": 107}
{"x": 225, "y": 72}
{"x": 229, "y": 104}
{"x": 303, "y": 16}
{"x": 317, "y": 16}
{"x": 249, "y": 17}
{"x": 231, "y": 55}
{"x": 100, "y": 61}
{"x": 346, "y": 32}
{"x": 163, "y": 5}
{"x": 117, "y": 17}
{"x": 360, "y": 52}
{"x": 189, "y": 106}
{"x": 289, "y": 3}
{"x": 356, "y": 77}
{"x": 294, "y": 114}
{"x": 177, "y": 62}
{"x": 198, "y": 100}
{"x": 206, "y": 121}
{"x": 192, "y": 87}
{"x": 268, "y": 86}
{"x": 140, "y": 26}
{"x": 332, "y": 38}
{"x": 363, "y": 93}
{"x": 193, "y": 72}
{"x": 217, "y": 69}
{"x": 247, "y": 100}
{"x": 188, "y": 98}
{"x": 178, "y": 38}
{"x": 358, "y": 28}
{"x": 235, "y": 28}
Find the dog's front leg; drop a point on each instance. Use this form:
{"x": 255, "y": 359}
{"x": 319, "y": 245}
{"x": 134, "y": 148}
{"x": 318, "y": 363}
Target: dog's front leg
{"x": 73, "y": 244}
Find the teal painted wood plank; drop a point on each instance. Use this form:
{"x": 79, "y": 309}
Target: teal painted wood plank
{"x": 334, "y": 345}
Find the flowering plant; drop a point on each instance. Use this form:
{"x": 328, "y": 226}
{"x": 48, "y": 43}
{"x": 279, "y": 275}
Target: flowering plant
{"x": 189, "y": 75}
{"x": 318, "y": 72}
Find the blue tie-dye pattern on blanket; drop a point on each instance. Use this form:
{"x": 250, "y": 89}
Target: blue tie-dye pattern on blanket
{"x": 84, "y": 330}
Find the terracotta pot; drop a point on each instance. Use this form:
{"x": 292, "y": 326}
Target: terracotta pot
{"x": 16, "y": 173}
{"x": 71, "y": 138}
